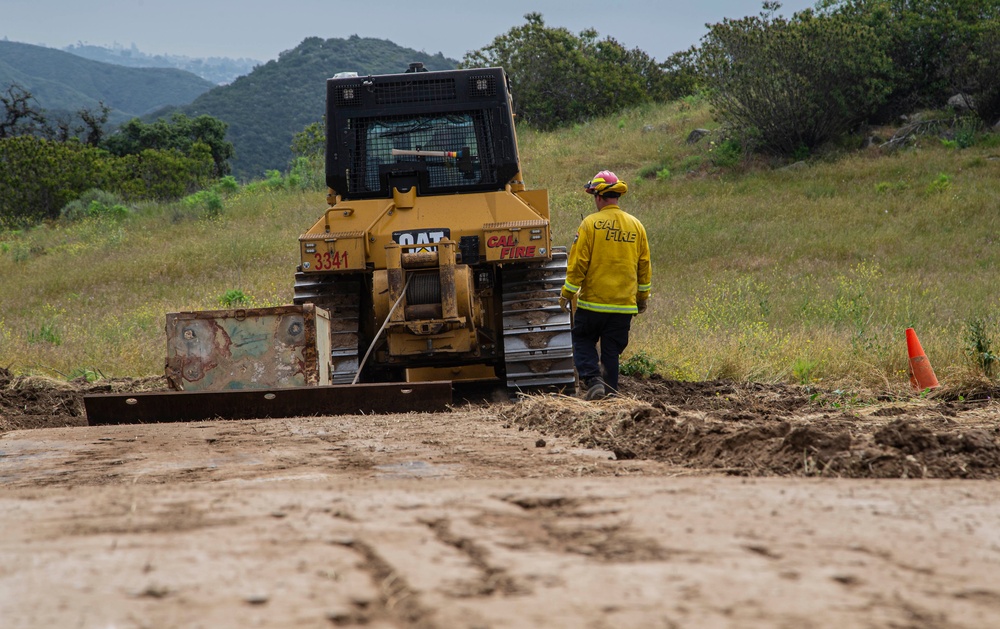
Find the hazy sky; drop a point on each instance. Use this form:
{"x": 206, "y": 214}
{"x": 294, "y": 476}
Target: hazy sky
{"x": 261, "y": 29}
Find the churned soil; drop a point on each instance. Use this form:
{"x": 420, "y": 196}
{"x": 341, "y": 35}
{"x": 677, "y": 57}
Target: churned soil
{"x": 676, "y": 504}
{"x": 781, "y": 430}
{"x": 742, "y": 429}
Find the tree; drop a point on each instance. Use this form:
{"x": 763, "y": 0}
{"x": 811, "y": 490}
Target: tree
{"x": 21, "y": 114}
{"x": 788, "y": 84}
{"x": 94, "y": 123}
{"x": 179, "y": 133}
{"x": 979, "y": 76}
{"x": 680, "y": 74}
{"x": 559, "y": 78}
{"x": 39, "y": 176}
{"x": 929, "y": 43}
{"x": 310, "y": 142}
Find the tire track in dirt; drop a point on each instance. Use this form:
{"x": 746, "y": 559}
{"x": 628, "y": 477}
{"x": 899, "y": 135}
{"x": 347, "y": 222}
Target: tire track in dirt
{"x": 396, "y": 601}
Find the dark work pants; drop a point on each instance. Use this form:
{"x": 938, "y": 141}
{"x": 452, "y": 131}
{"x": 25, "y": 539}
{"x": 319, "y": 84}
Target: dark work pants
{"x": 611, "y": 330}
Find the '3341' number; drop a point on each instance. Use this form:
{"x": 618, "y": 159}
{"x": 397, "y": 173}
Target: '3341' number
{"x": 331, "y": 260}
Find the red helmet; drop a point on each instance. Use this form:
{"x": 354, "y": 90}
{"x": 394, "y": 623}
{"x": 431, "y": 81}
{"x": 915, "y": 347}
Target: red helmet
{"x": 604, "y": 182}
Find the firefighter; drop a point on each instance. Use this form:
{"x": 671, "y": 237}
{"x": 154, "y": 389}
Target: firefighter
{"x": 609, "y": 277}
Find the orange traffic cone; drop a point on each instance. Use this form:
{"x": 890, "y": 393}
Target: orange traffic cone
{"x": 921, "y": 375}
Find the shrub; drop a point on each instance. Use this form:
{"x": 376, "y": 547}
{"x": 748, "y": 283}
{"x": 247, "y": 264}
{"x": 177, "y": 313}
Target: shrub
{"x": 45, "y": 334}
{"x": 561, "y": 78}
{"x": 804, "y": 370}
{"x": 979, "y": 346}
{"x": 659, "y": 170}
{"x": 208, "y": 200}
{"x": 639, "y": 364}
{"x": 940, "y": 184}
{"x": 39, "y": 177}
{"x": 95, "y": 203}
{"x": 160, "y": 175}
{"x": 235, "y": 298}
{"x": 782, "y": 84}
{"x": 692, "y": 163}
{"x": 966, "y": 133}
{"x": 727, "y": 153}
{"x": 977, "y": 72}
{"x": 226, "y": 185}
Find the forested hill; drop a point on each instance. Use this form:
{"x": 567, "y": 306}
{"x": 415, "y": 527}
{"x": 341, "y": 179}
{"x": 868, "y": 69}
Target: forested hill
{"x": 61, "y": 82}
{"x": 267, "y": 107}
{"x": 218, "y": 70}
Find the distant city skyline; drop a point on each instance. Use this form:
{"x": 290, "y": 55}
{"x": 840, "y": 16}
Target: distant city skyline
{"x": 262, "y": 30}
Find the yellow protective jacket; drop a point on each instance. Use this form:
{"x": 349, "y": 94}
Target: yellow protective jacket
{"x": 609, "y": 265}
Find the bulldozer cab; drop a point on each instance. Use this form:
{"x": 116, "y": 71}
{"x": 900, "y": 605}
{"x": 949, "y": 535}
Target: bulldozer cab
{"x": 443, "y": 132}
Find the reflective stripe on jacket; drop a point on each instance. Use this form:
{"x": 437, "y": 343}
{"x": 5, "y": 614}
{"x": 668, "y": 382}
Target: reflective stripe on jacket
{"x": 609, "y": 262}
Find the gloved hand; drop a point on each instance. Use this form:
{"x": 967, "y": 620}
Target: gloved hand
{"x": 641, "y": 303}
{"x": 565, "y": 299}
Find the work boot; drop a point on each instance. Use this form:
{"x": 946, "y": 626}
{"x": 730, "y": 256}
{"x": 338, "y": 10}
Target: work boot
{"x": 595, "y": 389}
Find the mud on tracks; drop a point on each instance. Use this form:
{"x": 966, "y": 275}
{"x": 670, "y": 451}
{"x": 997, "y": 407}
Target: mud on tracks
{"x": 745, "y": 429}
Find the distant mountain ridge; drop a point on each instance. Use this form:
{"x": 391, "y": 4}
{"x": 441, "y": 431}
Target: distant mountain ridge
{"x": 218, "y": 70}
{"x": 267, "y": 107}
{"x": 264, "y": 109}
{"x": 63, "y": 82}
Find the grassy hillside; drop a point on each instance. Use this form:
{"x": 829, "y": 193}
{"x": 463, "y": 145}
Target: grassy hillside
{"x": 266, "y": 108}
{"x": 805, "y": 274}
{"x": 61, "y": 81}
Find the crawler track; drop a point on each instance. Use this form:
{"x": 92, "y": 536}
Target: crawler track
{"x": 341, "y": 296}
{"x": 537, "y": 340}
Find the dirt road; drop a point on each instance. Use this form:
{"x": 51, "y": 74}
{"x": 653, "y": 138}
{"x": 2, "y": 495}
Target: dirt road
{"x": 709, "y": 505}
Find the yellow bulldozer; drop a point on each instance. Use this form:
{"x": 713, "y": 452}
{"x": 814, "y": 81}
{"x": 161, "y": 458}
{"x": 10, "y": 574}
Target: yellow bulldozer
{"x": 431, "y": 263}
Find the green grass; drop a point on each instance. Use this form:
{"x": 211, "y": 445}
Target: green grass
{"x": 808, "y": 274}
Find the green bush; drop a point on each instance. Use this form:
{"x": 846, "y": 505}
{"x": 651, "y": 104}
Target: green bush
{"x": 95, "y": 203}
{"x": 659, "y": 171}
{"x": 226, "y": 185}
{"x": 235, "y": 298}
{"x": 639, "y": 364}
{"x": 45, "y": 334}
{"x": 937, "y": 48}
{"x": 977, "y": 71}
{"x": 272, "y": 181}
{"x": 979, "y": 346}
{"x": 692, "y": 163}
{"x": 207, "y": 200}
{"x": 201, "y": 138}
{"x": 783, "y": 84}
{"x": 39, "y": 177}
{"x": 160, "y": 175}
{"x": 940, "y": 184}
{"x": 727, "y": 153}
{"x": 560, "y": 78}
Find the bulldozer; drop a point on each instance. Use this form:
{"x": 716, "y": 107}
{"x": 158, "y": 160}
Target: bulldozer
{"x": 432, "y": 252}
{"x": 432, "y": 262}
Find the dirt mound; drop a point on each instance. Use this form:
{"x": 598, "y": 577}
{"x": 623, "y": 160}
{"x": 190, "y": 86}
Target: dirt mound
{"x": 40, "y": 402}
{"x": 776, "y": 430}
{"x": 742, "y": 429}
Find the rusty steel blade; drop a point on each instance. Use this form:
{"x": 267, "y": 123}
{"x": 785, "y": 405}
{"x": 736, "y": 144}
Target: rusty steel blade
{"x": 183, "y": 406}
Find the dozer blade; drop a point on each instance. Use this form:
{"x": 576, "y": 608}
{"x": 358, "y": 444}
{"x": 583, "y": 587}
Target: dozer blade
{"x": 185, "y": 406}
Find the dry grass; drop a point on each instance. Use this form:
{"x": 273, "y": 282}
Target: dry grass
{"x": 806, "y": 275}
